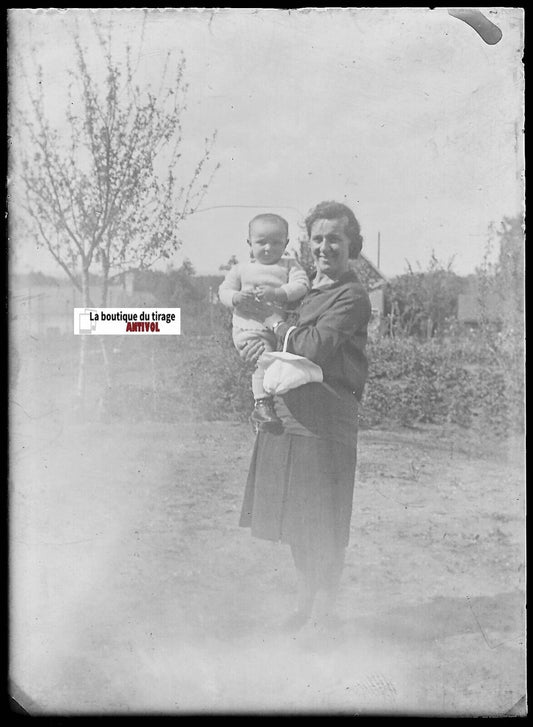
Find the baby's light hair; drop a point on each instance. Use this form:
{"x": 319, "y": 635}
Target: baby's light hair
{"x": 269, "y": 217}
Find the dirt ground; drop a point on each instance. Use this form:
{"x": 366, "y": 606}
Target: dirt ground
{"x": 134, "y": 591}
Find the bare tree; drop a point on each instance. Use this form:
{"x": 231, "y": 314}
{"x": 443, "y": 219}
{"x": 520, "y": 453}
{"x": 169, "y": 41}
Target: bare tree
{"x": 108, "y": 190}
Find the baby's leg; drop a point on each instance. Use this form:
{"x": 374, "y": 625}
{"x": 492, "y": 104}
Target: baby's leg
{"x": 258, "y": 376}
{"x": 264, "y": 417}
{"x": 240, "y": 339}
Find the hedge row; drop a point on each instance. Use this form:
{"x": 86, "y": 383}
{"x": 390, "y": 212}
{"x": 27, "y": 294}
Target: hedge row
{"x": 471, "y": 382}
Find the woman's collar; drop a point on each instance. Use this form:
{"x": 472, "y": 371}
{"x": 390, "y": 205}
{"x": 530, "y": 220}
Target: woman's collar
{"x": 346, "y": 277}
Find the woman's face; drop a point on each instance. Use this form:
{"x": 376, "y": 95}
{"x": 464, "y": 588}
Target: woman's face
{"x": 330, "y": 246}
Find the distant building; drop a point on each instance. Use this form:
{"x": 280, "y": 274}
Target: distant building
{"x": 42, "y": 309}
{"x": 374, "y": 281}
{"x": 46, "y": 308}
{"x": 127, "y": 293}
{"x": 473, "y": 304}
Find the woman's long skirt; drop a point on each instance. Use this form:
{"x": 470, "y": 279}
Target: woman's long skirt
{"x": 300, "y": 491}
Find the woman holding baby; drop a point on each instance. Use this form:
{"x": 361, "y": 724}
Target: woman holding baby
{"x": 301, "y": 478}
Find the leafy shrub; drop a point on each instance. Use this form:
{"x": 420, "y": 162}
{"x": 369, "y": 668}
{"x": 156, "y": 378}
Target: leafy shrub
{"x": 221, "y": 386}
{"x": 472, "y": 381}
{"x": 421, "y": 303}
{"x": 469, "y": 378}
{"x": 468, "y": 381}
{"x": 219, "y": 382}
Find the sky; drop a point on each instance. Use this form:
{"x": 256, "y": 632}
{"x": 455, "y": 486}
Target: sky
{"x": 405, "y": 114}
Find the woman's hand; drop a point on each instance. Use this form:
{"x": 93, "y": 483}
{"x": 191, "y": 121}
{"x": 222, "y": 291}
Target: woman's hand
{"x": 251, "y": 350}
{"x": 247, "y": 305}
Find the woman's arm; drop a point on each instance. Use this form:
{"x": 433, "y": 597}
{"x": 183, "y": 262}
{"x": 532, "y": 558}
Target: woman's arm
{"x": 347, "y": 314}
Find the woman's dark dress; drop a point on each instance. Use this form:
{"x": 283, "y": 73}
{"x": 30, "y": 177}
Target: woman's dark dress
{"x": 300, "y": 484}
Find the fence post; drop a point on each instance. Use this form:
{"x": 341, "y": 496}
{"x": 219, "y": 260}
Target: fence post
{"x": 211, "y": 303}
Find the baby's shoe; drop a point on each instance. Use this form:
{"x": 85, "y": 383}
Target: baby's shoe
{"x": 264, "y": 418}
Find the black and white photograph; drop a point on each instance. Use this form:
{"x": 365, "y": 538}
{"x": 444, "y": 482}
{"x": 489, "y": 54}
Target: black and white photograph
{"x": 266, "y": 357}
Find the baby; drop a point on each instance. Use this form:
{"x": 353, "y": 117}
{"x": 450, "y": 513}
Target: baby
{"x": 271, "y": 279}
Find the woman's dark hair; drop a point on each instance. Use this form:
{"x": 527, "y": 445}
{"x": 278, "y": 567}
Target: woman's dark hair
{"x": 336, "y": 211}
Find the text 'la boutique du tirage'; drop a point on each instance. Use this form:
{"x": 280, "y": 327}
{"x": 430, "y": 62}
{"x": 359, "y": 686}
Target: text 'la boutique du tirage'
{"x": 106, "y": 321}
{"x": 143, "y": 325}
{"x": 122, "y": 316}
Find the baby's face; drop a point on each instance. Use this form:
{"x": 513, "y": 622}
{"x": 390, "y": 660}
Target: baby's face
{"x": 268, "y": 241}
